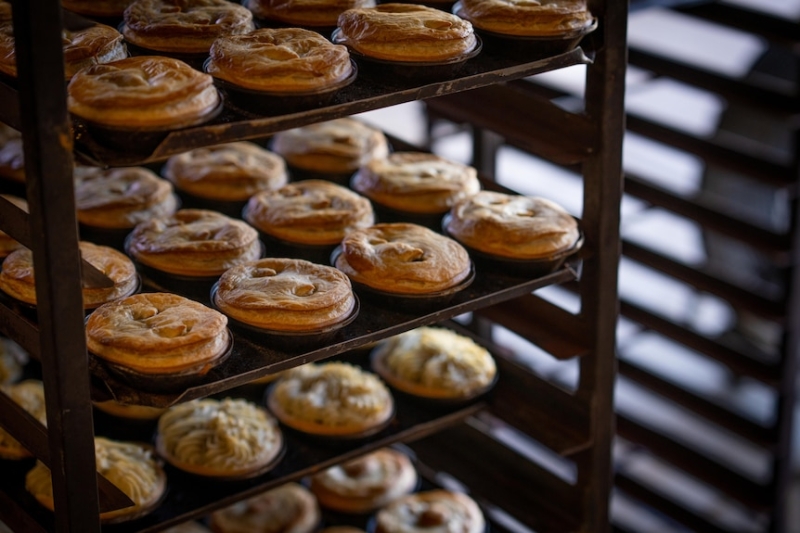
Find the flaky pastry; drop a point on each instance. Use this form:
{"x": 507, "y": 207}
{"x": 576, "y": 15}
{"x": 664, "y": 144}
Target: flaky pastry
{"x": 97, "y": 8}
{"x": 433, "y": 511}
{"x": 12, "y": 158}
{"x": 7, "y": 244}
{"x": 304, "y": 12}
{"x": 527, "y": 17}
{"x": 28, "y": 394}
{"x": 289, "y": 508}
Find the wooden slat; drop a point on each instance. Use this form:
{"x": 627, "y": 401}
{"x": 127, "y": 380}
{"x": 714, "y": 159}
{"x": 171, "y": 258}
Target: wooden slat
{"x": 783, "y": 31}
{"x": 23, "y": 331}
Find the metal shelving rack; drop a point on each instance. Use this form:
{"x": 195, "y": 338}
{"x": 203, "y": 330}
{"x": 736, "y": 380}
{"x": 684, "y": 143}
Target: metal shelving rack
{"x": 461, "y": 442}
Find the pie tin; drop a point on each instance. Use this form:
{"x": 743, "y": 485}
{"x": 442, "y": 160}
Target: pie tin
{"x": 193, "y": 59}
{"x": 231, "y": 208}
{"x": 301, "y": 174}
{"x": 432, "y": 221}
{"x": 316, "y": 253}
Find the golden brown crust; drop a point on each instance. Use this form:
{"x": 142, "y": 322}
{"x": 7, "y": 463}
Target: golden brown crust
{"x": 194, "y": 242}
{"x": 403, "y": 258}
{"x": 121, "y": 197}
{"x": 304, "y": 12}
{"x": 12, "y": 158}
{"x": 512, "y": 226}
{"x": 131, "y": 412}
{"x": 184, "y": 26}
{"x": 7, "y": 244}
{"x": 285, "y": 295}
{"x": 232, "y": 171}
{"x": 97, "y": 8}
{"x": 527, "y": 17}
{"x": 143, "y": 91}
{"x": 406, "y": 32}
{"x": 284, "y": 60}
{"x": 433, "y": 511}
{"x": 157, "y": 333}
{"x": 28, "y": 394}
{"x": 289, "y": 508}
{"x": 335, "y": 146}
{"x": 416, "y": 182}
{"x": 309, "y": 212}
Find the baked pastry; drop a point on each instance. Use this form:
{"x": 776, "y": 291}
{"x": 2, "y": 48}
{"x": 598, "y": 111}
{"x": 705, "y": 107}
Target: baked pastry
{"x": 434, "y": 363}
{"x": 406, "y": 33}
{"x": 92, "y": 45}
{"x": 28, "y": 394}
{"x": 416, "y": 182}
{"x": 143, "y": 92}
{"x": 365, "y": 483}
{"x": 158, "y": 333}
{"x": 331, "y": 399}
{"x": 317, "y": 13}
{"x": 285, "y": 295}
{"x": 546, "y": 18}
{"x": 129, "y": 411}
{"x": 230, "y": 438}
{"x": 7, "y": 244}
{"x": 431, "y": 511}
{"x": 128, "y": 465}
{"x": 228, "y": 172}
{"x": 12, "y": 359}
{"x": 332, "y": 147}
{"x": 403, "y": 258}
{"x": 17, "y": 277}
{"x": 12, "y": 157}
{"x": 309, "y": 212}
{"x": 512, "y": 226}
{"x": 280, "y": 60}
{"x": 121, "y": 198}
{"x": 194, "y": 243}
{"x": 97, "y": 8}
{"x": 289, "y": 508}
{"x": 183, "y": 26}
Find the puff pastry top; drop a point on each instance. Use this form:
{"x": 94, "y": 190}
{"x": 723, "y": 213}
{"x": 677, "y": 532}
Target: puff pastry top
{"x": 433, "y": 511}
{"x": 512, "y": 226}
{"x": 97, "y": 8}
{"x": 12, "y": 158}
{"x": 12, "y": 359}
{"x": 335, "y": 146}
{"x": 28, "y": 394}
{"x": 7, "y": 244}
{"x": 184, "y": 26}
{"x": 527, "y": 17}
{"x": 434, "y": 362}
{"x": 229, "y": 437}
{"x": 282, "y": 60}
{"x": 157, "y": 333}
{"x": 406, "y": 32}
{"x": 304, "y": 12}
{"x": 285, "y": 295}
{"x": 233, "y": 171}
{"x": 416, "y": 182}
{"x": 403, "y": 258}
{"x": 142, "y": 92}
{"x": 121, "y": 197}
{"x": 290, "y": 508}
{"x": 309, "y": 212}
{"x": 194, "y": 242}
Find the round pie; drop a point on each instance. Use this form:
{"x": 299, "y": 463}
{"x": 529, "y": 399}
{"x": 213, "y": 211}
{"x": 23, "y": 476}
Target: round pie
{"x": 97, "y": 8}
{"x": 309, "y": 212}
{"x": 12, "y": 157}
{"x": 416, "y": 182}
{"x": 285, "y": 295}
{"x": 158, "y": 333}
{"x": 527, "y": 17}
{"x": 17, "y": 277}
{"x": 282, "y": 60}
{"x": 143, "y": 92}
{"x": 183, "y": 26}
{"x": 121, "y": 197}
{"x": 406, "y": 33}
{"x": 304, "y": 12}
{"x": 7, "y": 244}
{"x": 228, "y": 172}
{"x": 28, "y": 394}
{"x": 331, "y": 399}
{"x": 403, "y": 258}
{"x": 433, "y": 511}
{"x": 193, "y": 243}
{"x": 230, "y": 438}
{"x": 366, "y": 483}
{"x": 290, "y": 508}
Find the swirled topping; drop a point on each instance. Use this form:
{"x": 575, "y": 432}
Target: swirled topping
{"x": 527, "y": 17}
{"x": 290, "y": 508}
{"x": 434, "y": 511}
{"x": 29, "y": 394}
{"x": 304, "y": 12}
{"x": 12, "y": 359}
{"x": 7, "y": 244}
{"x": 222, "y": 437}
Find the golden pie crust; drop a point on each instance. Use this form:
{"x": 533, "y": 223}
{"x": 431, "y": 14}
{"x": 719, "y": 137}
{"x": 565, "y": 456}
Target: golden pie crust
{"x": 129, "y": 411}
{"x": 285, "y": 295}
{"x": 230, "y": 438}
{"x": 157, "y": 333}
{"x": 12, "y": 158}
{"x": 142, "y": 92}
{"x": 406, "y": 32}
{"x": 434, "y": 363}
{"x": 117, "y": 198}
{"x": 282, "y": 60}
{"x": 512, "y": 226}
{"x": 17, "y": 277}
{"x": 7, "y": 244}
{"x": 331, "y": 399}
{"x": 433, "y": 511}
{"x": 289, "y": 508}
{"x": 28, "y": 394}
{"x": 130, "y": 466}
{"x": 304, "y": 12}
{"x": 403, "y": 258}
{"x": 229, "y": 172}
{"x": 527, "y": 17}
{"x": 365, "y": 483}
{"x": 184, "y": 26}
{"x": 309, "y": 212}
{"x": 335, "y": 146}
{"x": 416, "y": 182}
{"x": 194, "y": 243}
{"x": 97, "y": 8}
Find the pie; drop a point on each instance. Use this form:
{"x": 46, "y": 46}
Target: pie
{"x": 431, "y": 511}
{"x": 527, "y": 17}
{"x": 289, "y": 508}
